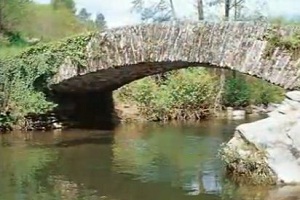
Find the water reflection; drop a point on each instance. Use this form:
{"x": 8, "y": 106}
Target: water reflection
{"x": 183, "y": 159}
{"x": 136, "y": 162}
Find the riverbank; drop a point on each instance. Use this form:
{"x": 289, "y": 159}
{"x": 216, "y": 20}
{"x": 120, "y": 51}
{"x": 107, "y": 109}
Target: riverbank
{"x": 191, "y": 94}
{"x": 267, "y": 151}
{"x": 186, "y": 94}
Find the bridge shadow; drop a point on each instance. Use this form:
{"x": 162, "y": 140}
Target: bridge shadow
{"x": 86, "y": 110}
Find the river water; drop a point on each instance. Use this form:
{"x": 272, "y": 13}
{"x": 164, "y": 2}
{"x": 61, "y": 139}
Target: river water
{"x": 134, "y": 162}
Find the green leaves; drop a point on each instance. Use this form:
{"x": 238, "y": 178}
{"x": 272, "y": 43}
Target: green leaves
{"x": 237, "y": 93}
{"x": 27, "y": 76}
{"x": 289, "y": 43}
{"x": 185, "y": 95}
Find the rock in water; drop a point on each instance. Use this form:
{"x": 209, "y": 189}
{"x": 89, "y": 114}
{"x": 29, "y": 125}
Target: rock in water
{"x": 268, "y": 151}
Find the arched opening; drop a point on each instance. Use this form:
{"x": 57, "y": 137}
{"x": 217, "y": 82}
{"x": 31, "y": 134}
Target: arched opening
{"x": 87, "y": 100}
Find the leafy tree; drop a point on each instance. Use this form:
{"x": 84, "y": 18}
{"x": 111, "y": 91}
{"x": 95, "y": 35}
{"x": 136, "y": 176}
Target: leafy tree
{"x": 70, "y": 4}
{"x": 12, "y": 13}
{"x": 100, "y": 21}
{"x": 84, "y": 15}
{"x": 51, "y": 24}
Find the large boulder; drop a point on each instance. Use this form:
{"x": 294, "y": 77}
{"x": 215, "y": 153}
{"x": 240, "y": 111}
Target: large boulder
{"x": 268, "y": 150}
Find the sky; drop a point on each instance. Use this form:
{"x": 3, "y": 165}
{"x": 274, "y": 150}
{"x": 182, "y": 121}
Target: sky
{"x": 118, "y": 12}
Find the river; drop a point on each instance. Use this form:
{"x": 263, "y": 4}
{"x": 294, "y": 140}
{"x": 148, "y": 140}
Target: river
{"x": 135, "y": 162}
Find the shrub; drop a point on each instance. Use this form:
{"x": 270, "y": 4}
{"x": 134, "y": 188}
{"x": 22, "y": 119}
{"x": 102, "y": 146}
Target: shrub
{"x": 237, "y": 92}
{"x": 187, "y": 94}
{"x": 265, "y": 93}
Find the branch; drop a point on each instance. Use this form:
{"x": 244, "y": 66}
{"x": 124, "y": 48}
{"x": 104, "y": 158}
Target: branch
{"x": 236, "y": 3}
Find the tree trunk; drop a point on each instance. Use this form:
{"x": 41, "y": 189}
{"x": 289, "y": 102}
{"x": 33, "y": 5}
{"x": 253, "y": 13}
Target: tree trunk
{"x": 227, "y": 9}
{"x": 173, "y": 10}
{"x": 200, "y": 10}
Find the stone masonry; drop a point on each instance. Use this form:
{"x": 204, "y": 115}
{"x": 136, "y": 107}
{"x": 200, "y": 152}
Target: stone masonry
{"x": 119, "y": 56}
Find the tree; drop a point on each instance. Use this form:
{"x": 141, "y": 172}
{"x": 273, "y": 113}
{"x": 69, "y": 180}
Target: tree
{"x": 241, "y": 11}
{"x": 227, "y": 9}
{"x": 173, "y": 10}
{"x": 159, "y": 11}
{"x": 70, "y": 4}
{"x": 84, "y": 15}
{"x": 51, "y": 24}
{"x": 200, "y": 10}
{"x": 12, "y": 14}
{"x": 100, "y": 21}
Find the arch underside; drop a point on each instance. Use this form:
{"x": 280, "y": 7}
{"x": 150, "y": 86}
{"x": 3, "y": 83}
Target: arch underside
{"x": 113, "y": 78}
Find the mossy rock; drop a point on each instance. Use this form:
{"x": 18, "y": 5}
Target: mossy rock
{"x": 247, "y": 165}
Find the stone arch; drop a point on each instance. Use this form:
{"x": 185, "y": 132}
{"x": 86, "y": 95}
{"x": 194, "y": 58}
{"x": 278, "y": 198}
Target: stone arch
{"x": 122, "y": 55}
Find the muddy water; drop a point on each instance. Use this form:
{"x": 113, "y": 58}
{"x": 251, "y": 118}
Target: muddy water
{"x": 134, "y": 162}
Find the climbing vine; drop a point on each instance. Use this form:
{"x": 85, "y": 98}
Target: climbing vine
{"x": 25, "y": 78}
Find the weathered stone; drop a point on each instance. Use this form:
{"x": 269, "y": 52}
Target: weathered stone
{"x": 278, "y": 137}
{"x": 294, "y": 95}
{"x": 122, "y": 55}
{"x": 238, "y": 114}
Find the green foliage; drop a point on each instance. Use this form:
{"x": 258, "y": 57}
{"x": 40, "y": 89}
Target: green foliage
{"x": 69, "y": 4}
{"x": 237, "y": 92}
{"x": 50, "y": 24}
{"x": 36, "y": 65}
{"x": 26, "y": 72}
{"x": 264, "y": 93}
{"x": 187, "y": 94}
{"x": 15, "y": 39}
{"x": 190, "y": 94}
{"x": 290, "y": 43}
{"x": 6, "y": 122}
{"x": 12, "y": 14}
{"x": 249, "y": 167}
{"x": 10, "y": 51}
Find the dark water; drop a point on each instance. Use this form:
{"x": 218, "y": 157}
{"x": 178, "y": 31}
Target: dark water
{"x": 136, "y": 162}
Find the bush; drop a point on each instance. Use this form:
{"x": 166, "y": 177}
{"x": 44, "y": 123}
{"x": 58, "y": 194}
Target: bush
{"x": 237, "y": 93}
{"x": 263, "y": 93}
{"x": 188, "y": 94}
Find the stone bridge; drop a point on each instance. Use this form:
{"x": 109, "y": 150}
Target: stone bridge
{"x": 119, "y": 56}
{"x": 122, "y": 55}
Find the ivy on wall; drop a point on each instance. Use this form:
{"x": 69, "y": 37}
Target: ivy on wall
{"x": 26, "y": 77}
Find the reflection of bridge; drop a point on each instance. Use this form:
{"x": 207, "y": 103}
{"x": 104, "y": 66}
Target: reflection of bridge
{"x": 120, "y": 56}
